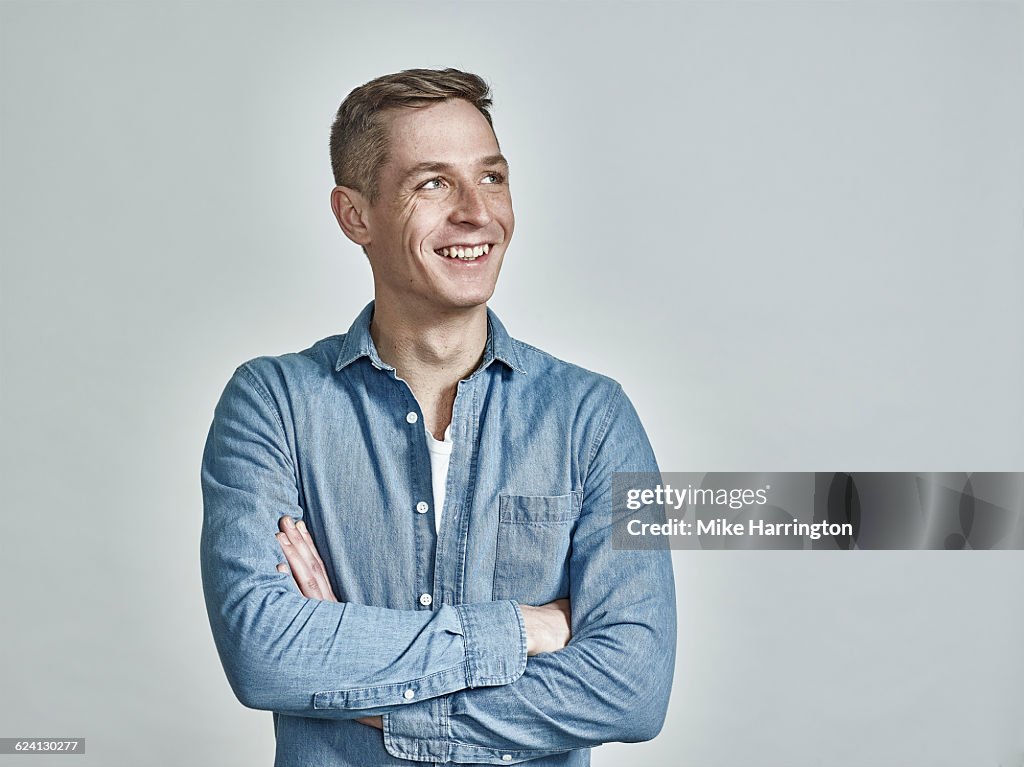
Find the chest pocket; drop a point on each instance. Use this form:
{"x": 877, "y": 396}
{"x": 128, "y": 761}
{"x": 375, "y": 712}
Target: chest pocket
{"x": 531, "y": 563}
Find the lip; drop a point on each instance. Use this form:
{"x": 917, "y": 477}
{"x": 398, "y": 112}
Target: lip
{"x": 460, "y": 263}
{"x": 464, "y": 244}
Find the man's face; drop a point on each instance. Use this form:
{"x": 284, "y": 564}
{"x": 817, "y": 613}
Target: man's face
{"x": 444, "y": 191}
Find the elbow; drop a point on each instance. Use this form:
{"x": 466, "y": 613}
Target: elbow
{"x": 263, "y": 689}
{"x": 252, "y": 689}
{"x": 255, "y": 671}
{"x": 259, "y": 701}
{"x": 247, "y": 699}
{"x": 633, "y": 715}
{"x": 252, "y": 694}
{"x": 260, "y": 680}
{"x": 644, "y": 722}
{"x": 644, "y": 726}
{"x": 253, "y": 677}
{"x": 649, "y": 700}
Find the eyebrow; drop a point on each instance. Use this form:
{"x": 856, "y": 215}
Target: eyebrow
{"x": 439, "y": 167}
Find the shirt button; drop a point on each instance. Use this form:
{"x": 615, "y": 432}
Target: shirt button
{"x": 426, "y": 599}
{"x": 422, "y": 507}
{"x": 411, "y": 417}
{"x": 506, "y": 757}
{"x": 408, "y": 694}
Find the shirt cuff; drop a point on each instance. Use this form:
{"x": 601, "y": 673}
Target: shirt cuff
{"x": 495, "y": 642}
{"x": 419, "y": 731}
{"x": 495, "y": 637}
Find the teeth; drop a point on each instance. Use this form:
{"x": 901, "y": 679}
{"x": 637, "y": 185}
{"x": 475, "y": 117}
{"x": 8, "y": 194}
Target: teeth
{"x": 466, "y": 254}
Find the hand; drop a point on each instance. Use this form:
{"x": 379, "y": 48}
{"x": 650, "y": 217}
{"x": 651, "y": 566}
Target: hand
{"x": 547, "y": 626}
{"x": 304, "y": 560}
{"x": 310, "y": 574}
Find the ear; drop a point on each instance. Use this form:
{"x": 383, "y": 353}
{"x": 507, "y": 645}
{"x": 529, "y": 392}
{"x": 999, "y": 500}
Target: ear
{"x": 349, "y": 208}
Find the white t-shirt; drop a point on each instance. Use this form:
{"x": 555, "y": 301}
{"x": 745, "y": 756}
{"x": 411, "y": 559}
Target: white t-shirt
{"x": 440, "y": 456}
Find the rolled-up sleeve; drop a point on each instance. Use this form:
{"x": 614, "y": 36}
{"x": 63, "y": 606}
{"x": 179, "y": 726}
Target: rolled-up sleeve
{"x": 284, "y": 652}
{"x": 612, "y": 681}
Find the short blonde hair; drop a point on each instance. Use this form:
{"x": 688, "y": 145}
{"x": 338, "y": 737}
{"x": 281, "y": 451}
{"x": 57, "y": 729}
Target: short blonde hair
{"x": 359, "y": 135}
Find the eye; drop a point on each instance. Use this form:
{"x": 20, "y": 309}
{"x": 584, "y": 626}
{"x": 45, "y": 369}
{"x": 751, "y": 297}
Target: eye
{"x": 498, "y": 178}
{"x": 434, "y": 183}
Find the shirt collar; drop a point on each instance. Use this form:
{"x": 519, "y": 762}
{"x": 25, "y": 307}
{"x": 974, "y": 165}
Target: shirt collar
{"x": 358, "y": 343}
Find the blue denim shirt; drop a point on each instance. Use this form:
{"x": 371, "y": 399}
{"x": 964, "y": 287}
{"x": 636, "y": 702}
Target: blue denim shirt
{"x": 428, "y": 632}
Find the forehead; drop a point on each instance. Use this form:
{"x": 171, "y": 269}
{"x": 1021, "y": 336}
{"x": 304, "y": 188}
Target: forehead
{"x": 453, "y": 132}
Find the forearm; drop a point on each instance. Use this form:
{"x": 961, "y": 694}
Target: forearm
{"x": 286, "y": 653}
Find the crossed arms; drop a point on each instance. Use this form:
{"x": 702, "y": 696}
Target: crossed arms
{"x": 547, "y": 626}
{"x": 474, "y": 697}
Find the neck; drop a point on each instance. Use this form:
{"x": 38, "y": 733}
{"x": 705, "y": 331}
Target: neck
{"x": 431, "y": 351}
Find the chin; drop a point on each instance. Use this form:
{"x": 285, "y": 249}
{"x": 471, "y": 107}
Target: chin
{"x": 465, "y": 296}
{"x": 468, "y": 300}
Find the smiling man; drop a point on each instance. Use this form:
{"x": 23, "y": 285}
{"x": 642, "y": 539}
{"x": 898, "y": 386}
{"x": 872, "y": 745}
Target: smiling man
{"x": 450, "y": 592}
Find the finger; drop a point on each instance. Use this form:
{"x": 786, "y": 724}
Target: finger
{"x": 310, "y": 559}
{"x": 287, "y": 526}
{"x": 325, "y": 583}
{"x": 289, "y": 553}
{"x": 311, "y": 563}
{"x": 283, "y": 568}
{"x": 301, "y": 572}
{"x": 301, "y": 526}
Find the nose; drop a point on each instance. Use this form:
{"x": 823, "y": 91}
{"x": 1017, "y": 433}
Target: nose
{"x": 471, "y": 207}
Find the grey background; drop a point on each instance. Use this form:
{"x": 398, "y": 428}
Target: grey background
{"x": 793, "y": 231}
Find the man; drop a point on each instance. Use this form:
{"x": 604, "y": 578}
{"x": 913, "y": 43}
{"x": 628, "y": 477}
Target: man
{"x": 462, "y": 601}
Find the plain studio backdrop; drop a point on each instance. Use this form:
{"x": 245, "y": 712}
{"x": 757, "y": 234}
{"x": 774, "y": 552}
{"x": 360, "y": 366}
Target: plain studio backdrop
{"x": 792, "y": 231}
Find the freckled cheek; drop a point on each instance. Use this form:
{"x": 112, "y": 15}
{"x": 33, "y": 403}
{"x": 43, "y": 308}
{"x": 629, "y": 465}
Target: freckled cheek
{"x": 501, "y": 210}
{"x": 500, "y": 200}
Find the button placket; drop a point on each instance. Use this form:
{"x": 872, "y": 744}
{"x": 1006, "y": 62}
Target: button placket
{"x": 421, "y": 507}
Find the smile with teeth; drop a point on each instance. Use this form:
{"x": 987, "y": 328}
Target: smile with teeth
{"x": 465, "y": 252}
